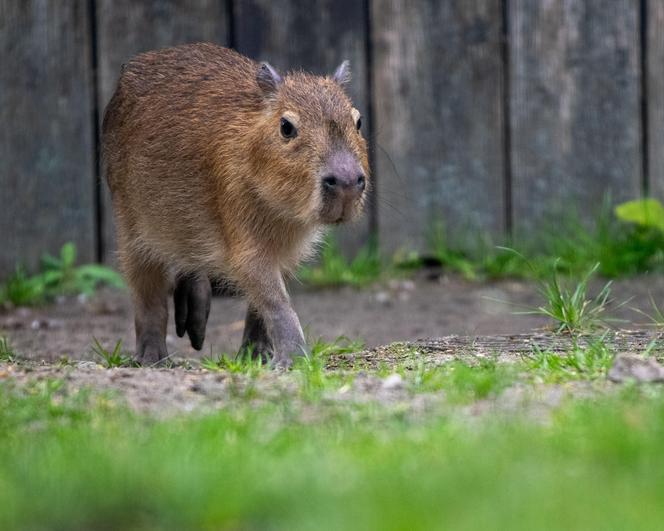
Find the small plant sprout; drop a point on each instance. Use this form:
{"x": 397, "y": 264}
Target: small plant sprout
{"x": 314, "y": 377}
{"x": 243, "y": 363}
{"x": 572, "y": 309}
{"x": 113, "y": 358}
{"x": 59, "y": 275}
{"x": 7, "y": 353}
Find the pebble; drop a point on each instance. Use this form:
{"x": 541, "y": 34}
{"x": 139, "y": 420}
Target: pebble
{"x": 637, "y": 368}
{"x": 383, "y": 297}
{"x": 45, "y": 324}
{"x": 393, "y": 381}
{"x": 88, "y": 365}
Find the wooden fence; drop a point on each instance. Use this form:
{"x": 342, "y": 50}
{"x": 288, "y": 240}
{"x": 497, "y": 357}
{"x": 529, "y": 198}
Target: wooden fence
{"x": 488, "y": 115}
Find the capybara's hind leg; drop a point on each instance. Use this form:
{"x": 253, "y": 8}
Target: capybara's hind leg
{"x": 191, "y": 298}
{"x": 149, "y": 283}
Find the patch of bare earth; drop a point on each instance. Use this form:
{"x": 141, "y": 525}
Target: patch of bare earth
{"x": 55, "y": 343}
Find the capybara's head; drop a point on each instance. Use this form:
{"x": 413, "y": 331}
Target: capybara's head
{"x": 310, "y": 153}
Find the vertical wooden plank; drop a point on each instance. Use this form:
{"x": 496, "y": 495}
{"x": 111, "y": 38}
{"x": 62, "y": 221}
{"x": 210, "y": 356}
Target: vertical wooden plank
{"x": 316, "y": 37}
{"x": 655, "y": 94}
{"x": 575, "y": 108}
{"x": 125, "y": 28}
{"x": 46, "y": 137}
{"x": 439, "y": 119}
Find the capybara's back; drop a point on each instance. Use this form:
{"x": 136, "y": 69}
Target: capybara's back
{"x": 219, "y": 166}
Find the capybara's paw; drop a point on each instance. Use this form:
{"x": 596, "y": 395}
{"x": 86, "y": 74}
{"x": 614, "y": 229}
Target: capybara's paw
{"x": 260, "y": 350}
{"x": 281, "y": 362}
{"x": 285, "y": 361}
{"x": 192, "y": 298}
{"x": 151, "y": 352}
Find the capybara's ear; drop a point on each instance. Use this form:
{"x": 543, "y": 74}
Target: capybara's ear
{"x": 268, "y": 78}
{"x": 342, "y": 73}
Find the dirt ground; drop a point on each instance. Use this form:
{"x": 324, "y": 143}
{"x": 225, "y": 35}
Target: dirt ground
{"x": 398, "y": 310}
{"x": 444, "y": 320}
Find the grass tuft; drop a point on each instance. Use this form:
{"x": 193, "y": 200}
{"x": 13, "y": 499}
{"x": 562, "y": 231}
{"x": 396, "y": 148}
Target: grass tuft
{"x": 243, "y": 363}
{"x": 588, "y": 362}
{"x": 113, "y": 358}
{"x": 573, "y": 310}
{"x": 465, "y": 383}
{"x": 59, "y": 275}
{"x": 7, "y": 353}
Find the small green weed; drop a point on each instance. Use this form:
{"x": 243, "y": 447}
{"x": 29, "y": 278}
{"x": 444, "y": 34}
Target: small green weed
{"x": 314, "y": 378}
{"x": 573, "y": 310}
{"x": 21, "y": 289}
{"x": 58, "y": 276}
{"x": 341, "y": 345}
{"x": 463, "y": 382}
{"x": 243, "y": 363}
{"x": 587, "y": 362}
{"x": 334, "y": 269}
{"x": 7, "y": 353}
{"x": 113, "y": 358}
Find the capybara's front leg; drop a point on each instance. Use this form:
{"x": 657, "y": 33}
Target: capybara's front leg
{"x": 285, "y": 331}
{"x": 277, "y": 321}
{"x": 149, "y": 286}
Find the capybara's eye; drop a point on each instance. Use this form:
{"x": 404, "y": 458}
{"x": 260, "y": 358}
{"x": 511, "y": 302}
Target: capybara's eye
{"x": 288, "y": 130}
{"x": 358, "y": 124}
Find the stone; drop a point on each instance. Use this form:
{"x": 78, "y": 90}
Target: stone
{"x": 632, "y": 367}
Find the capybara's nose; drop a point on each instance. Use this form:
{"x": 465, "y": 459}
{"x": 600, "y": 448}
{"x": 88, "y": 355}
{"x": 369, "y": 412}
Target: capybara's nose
{"x": 344, "y": 175}
{"x": 350, "y": 183}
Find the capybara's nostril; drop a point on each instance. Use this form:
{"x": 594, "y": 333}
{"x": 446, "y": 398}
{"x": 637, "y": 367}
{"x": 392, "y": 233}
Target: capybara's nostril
{"x": 330, "y": 182}
{"x": 361, "y": 182}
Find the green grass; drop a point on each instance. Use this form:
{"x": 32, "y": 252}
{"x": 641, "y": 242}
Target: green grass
{"x": 589, "y": 362}
{"x": 573, "y": 309}
{"x": 465, "y": 383}
{"x": 242, "y": 364}
{"x": 7, "y": 353}
{"x": 80, "y": 461}
{"x": 333, "y": 269}
{"x": 112, "y": 358}
{"x": 621, "y": 245}
{"x": 58, "y": 276}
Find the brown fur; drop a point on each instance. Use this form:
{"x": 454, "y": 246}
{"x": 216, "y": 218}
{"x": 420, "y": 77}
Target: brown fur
{"x": 203, "y": 184}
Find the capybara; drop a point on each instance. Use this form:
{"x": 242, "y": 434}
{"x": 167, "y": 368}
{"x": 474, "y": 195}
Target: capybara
{"x": 220, "y": 167}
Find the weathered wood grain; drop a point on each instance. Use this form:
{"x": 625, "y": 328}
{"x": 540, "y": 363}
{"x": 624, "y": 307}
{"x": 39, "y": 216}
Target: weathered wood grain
{"x": 437, "y": 73}
{"x": 655, "y": 94}
{"x": 127, "y": 27}
{"x": 46, "y": 131}
{"x": 316, "y": 37}
{"x": 574, "y": 108}
{"x": 501, "y": 348}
